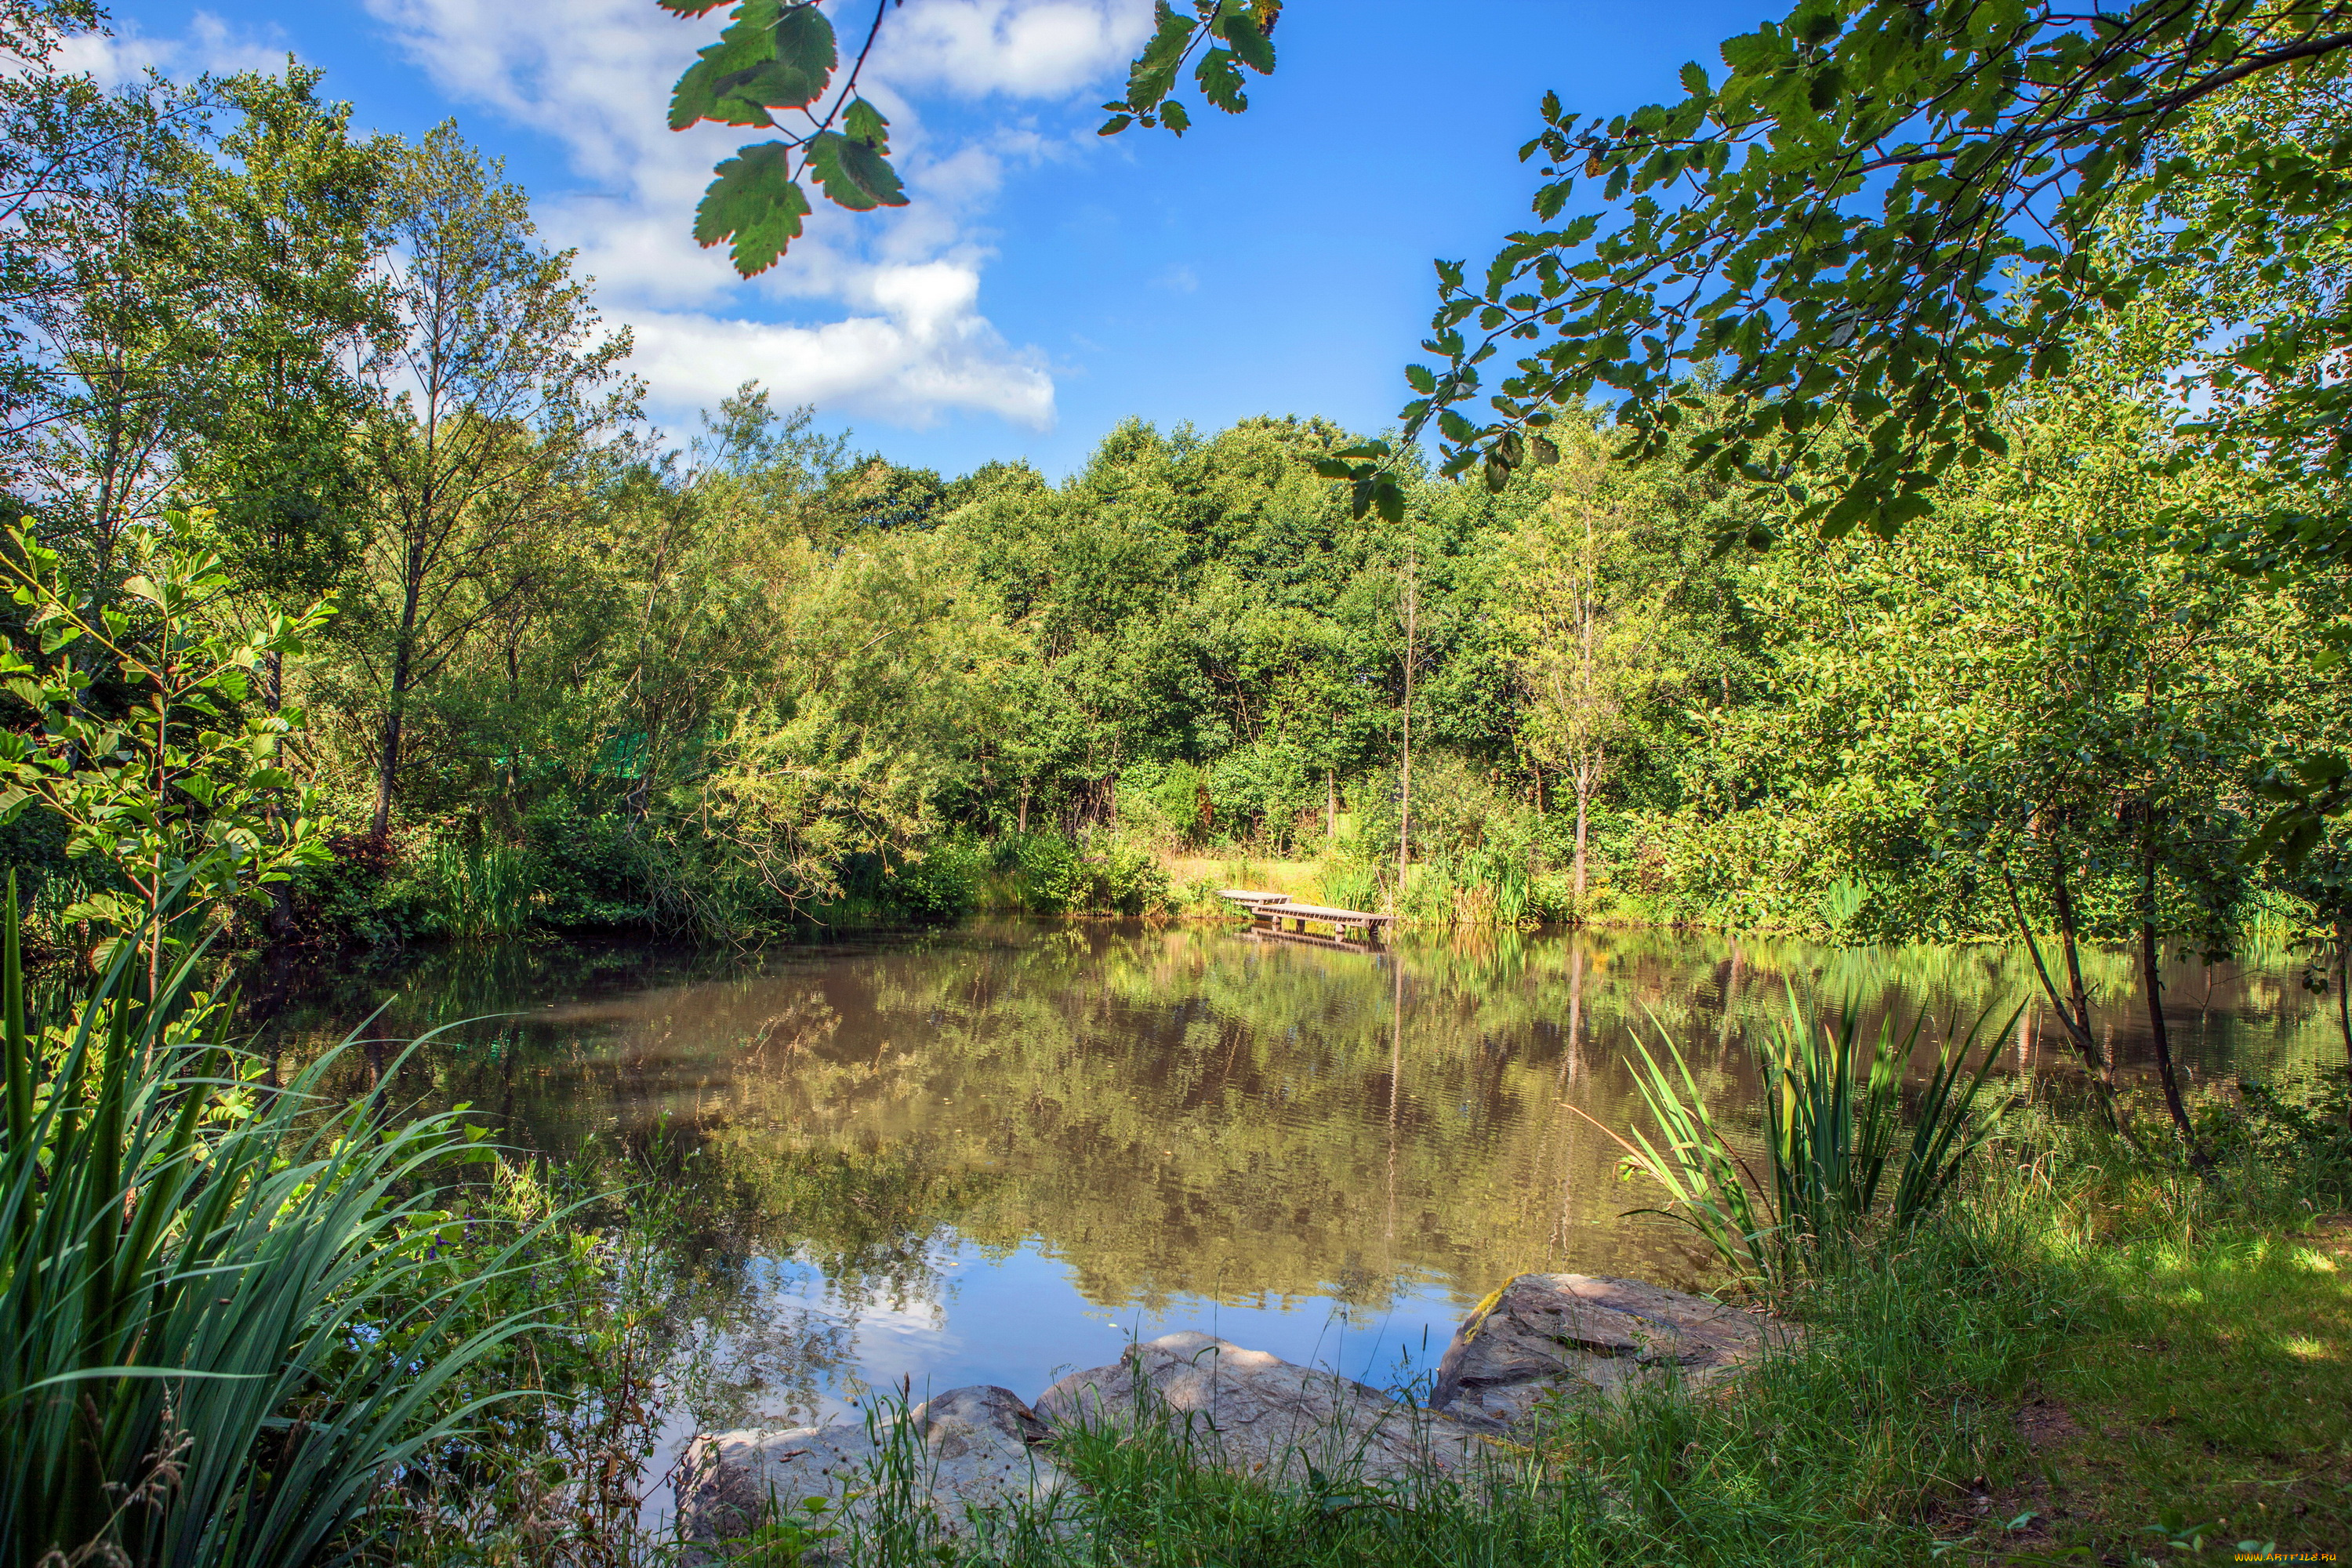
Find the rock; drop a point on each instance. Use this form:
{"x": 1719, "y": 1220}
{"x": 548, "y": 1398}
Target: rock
{"x": 1264, "y": 1416}
{"x": 1542, "y": 1333}
{"x": 970, "y": 1448}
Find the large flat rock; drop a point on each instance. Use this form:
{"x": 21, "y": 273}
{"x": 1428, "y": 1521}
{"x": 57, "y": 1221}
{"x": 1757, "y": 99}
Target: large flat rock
{"x": 1553, "y": 1335}
{"x": 969, "y": 1448}
{"x": 1263, "y": 1417}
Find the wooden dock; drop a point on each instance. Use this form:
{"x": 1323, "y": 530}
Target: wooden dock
{"x": 1280, "y": 915}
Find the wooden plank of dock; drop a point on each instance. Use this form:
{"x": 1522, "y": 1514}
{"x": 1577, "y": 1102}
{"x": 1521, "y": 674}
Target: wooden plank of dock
{"x": 1276, "y": 911}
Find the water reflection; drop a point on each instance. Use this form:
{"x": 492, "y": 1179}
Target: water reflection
{"x": 986, "y": 1154}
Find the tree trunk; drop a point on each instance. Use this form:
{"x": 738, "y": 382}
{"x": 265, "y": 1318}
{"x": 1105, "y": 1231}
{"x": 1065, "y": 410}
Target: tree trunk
{"x": 387, "y": 771}
{"x": 1405, "y": 776}
{"x": 2075, "y": 1018}
{"x": 2343, "y": 993}
{"x": 1583, "y": 800}
{"x": 2152, "y": 983}
{"x": 387, "y": 764}
{"x": 280, "y": 922}
{"x": 1330, "y": 803}
{"x": 2070, "y": 947}
{"x": 1021, "y": 812}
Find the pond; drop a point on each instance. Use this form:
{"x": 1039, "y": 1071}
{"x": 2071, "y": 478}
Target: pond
{"x": 994, "y": 1153}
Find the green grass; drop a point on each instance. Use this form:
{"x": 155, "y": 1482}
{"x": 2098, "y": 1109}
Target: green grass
{"x": 2087, "y": 1357}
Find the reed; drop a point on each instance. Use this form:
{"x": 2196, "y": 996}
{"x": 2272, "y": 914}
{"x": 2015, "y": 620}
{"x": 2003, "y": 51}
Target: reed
{"x": 482, "y": 890}
{"x": 1834, "y": 1122}
{"x": 226, "y": 1332}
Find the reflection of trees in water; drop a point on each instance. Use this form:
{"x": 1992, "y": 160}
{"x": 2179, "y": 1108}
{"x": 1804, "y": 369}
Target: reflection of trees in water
{"x": 1169, "y": 1112}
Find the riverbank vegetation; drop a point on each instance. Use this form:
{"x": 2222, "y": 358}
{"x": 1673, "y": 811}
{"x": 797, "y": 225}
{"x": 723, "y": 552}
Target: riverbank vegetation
{"x": 581, "y": 673}
{"x": 355, "y": 598}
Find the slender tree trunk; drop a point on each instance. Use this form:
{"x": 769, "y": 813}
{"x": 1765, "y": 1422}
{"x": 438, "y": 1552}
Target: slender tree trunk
{"x": 387, "y": 771}
{"x": 1583, "y": 800}
{"x": 2344, "y": 992}
{"x": 2075, "y": 1019}
{"x": 1330, "y": 803}
{"x": 2070, "y": 948}
{"x": 2152, "y": 984}
{"x": 1021, "y": 812}
{"x": 279, "y": 925}
{"x": 1405, "y": 777}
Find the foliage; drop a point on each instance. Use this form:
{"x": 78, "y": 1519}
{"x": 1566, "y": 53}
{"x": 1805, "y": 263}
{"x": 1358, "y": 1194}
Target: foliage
{"x": 784, "y": 56}
{"x": 182, "y": 791}
{"x": 229, "y": 1325}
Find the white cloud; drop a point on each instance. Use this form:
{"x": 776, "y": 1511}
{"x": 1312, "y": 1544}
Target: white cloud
{"x": 595, "y": 75}
{"x": 1027, "y": 49}
{"x": 209, "y": 45}
{"x": 926, "y": 352}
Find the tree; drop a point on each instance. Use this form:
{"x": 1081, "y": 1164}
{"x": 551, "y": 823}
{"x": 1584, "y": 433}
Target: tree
{"x": 282, "y": 217}
{"x": 115, "y": 337}
{"x": 1830, "y": 224}
{"x": 57, "y": 131}
{"x": 2030, "y": 703}
{"x": 1582, "y": 628}
{"x": 494, "y": 391}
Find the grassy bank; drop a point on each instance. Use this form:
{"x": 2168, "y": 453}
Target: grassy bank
{"x": 2094, "y": 1356}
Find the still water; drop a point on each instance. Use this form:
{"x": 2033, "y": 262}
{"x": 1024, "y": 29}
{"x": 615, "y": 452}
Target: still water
{"x": 991, "y": 1154}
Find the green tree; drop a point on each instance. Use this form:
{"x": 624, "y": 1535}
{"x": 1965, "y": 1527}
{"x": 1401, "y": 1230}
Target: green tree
{"x": 58, "y": 132}
{"x": 498, "y": 388}
{"x": 282, "y": 217}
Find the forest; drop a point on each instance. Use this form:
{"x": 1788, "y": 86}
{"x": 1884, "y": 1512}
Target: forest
{"x": 573, "y": 671}
{"x": 1929, "y": 585}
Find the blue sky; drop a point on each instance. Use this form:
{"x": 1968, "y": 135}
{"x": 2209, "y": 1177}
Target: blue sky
{"x": 1045, "y": 283}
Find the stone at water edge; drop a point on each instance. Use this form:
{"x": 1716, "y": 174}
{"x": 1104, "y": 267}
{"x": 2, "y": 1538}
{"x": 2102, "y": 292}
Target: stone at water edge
{"x": 1546, "y": 1332}
{"x": 975, "y": 1448}
{"x": 1264, "y": 1416}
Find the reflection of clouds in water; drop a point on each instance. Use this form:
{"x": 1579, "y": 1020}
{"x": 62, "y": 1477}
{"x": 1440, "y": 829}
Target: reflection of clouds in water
{"x": 797, "y": 1347}
{"x": 985, "y": 1154}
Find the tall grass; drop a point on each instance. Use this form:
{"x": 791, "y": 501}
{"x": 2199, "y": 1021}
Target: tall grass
{"x": 481, "y": 890}
{"x": 225, "y": 1330}
{"x": 1834, "y": 1121}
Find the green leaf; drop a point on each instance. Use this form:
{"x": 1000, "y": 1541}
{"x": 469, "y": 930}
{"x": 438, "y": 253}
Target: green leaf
{"x": 689, "y": 7}
{"x": 861, "y": 121}
{"x": 747, "y": 44}
{"x": 755, "y": 201}
{"x": 854, "y": 175}
{"x": 1241, "y": 26}
{"x": 1221, "y": 80}
{"x": 1694, "y": 80}
{"x": 804, "y": 56}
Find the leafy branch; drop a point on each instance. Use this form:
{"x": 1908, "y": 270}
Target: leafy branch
{"x": 182, "y": 794}
{"x": 781, "y": 57}
{"x": 1883, "y": 217}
